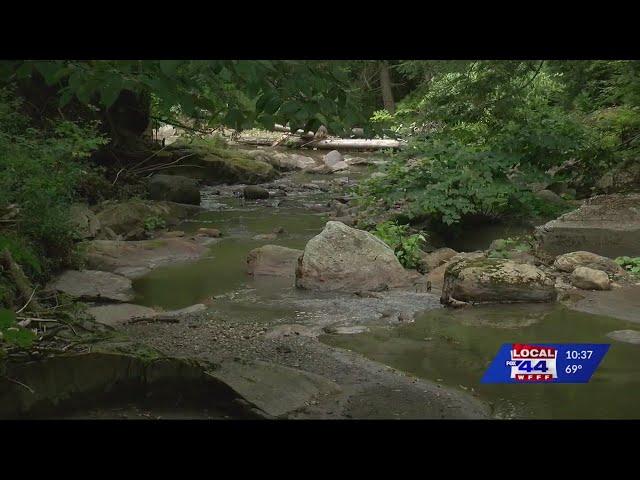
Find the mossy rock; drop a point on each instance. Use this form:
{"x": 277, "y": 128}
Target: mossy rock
{"x": 215, "y": 164}
{"x": 496, "y": 280}
{"x": 124, "y": 217}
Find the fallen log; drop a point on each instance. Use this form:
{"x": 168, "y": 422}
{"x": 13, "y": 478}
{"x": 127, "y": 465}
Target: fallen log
{"x": 330, "y": 143}
{"x": 348, "y": 143}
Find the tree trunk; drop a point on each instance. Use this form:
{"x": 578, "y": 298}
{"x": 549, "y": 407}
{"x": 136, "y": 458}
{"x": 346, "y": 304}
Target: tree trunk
{"x": 385, "y": 84}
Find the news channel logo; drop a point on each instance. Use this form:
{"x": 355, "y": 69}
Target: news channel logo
{"x": 545, "y": 363}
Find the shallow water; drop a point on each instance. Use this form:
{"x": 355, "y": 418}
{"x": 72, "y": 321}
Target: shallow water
{"x": 456, "y": 346}
{"x": 451, "y": 346}
{"x": 223, "y": 270}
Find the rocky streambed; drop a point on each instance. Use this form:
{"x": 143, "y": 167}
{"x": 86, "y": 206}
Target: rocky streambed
{"x": 345, "y": 332}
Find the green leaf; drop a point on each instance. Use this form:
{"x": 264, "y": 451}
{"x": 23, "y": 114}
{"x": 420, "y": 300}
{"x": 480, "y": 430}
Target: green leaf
{"x": 7, "y": 318}
{"x": 49, "y": 71}
{"x": 20, "y": 337}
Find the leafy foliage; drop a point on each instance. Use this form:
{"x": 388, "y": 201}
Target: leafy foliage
{"x": 13, "y": 334}
{"x": 154, "y": 223}
{"x": 39, "y": 172}
{"x": 504, "y": 248}
{"x": 236, "y": 93}
{"x": 448, "y": 180}
{"x": 483, "y": 132}
{"x": 630, "y": 264}
{"x": 406, "y": 247}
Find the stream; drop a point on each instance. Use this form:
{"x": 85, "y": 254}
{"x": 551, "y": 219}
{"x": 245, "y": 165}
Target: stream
{"x": 451, "y": 347}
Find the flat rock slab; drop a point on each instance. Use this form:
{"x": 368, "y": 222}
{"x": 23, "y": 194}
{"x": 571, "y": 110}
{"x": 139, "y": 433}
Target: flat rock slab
{"x": 114, "y": 315}
{"x": 627, "y": 336}
{"x": 608, "y": 225}
{"x": 123, "y": 313}
{"x": 135, "y": 259}
{"x": 622, "y": 303}
{"x": 94, "y": 285}
{"x": 275, "y": 389}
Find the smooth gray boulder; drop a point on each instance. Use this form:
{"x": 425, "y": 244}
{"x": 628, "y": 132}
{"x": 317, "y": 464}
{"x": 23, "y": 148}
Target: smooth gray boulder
{"x": 174, "y": 188}
{"x": 590, "y": 279}
{"x": 253, "y": 192}
{"x": 350, "y": 260}
{"x": 608, "y": 225}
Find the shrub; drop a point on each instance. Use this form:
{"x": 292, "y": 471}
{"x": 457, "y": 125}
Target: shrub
{"x": 406, "y": 247}
{"x": 39, "y": 173}
{"x": 630, "y": 264}
{"x": 154, "y": 223}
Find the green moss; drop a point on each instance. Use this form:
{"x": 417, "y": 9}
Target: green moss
{"x": 492, "y": 267}
{"x": 214, "y": 161}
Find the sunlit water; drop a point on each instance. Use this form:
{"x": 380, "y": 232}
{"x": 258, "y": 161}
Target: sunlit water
{"x": 456, "y": 346}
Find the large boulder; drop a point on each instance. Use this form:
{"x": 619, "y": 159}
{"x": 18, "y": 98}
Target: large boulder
{"x": 334, "y": 162}
{"x": 125, "y": 217}
{"x": 283, "y": 161}
{"x": 608, "y": 225}
{"x": 332, "y": 158}
{"x": 84, "y": 221}
{"x": 174, "y": 188}
{"x": 569, "y": 261}
{"x": 94, "y": 285}
{"x": 347, "y": 259}
{"x": 215, "y": 165}
{"x": 273, "y": 260}
{"x": 590, "y": 279}
{"x": 495, "y": 280}
{"x": 253, "y": 192}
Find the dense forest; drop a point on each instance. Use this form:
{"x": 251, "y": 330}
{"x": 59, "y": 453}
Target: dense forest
{"x": 480, "y": 142}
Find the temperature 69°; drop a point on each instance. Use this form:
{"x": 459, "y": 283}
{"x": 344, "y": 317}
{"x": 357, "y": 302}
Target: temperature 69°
{"x": 572, "y": 368}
